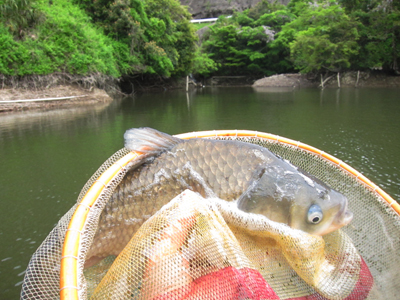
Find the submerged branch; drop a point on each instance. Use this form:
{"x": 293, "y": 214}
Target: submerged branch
{"x": 324, "y": 81}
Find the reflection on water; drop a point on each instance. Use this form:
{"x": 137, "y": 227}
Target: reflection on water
{"x": 272, "y": 90}
{"x": 46, "y": 157}
{"x": 38, "y": 120}
{"x": 37, "y": 185}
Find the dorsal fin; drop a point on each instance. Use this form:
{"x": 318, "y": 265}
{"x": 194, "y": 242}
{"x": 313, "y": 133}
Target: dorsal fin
{"x": 149, "y": 140}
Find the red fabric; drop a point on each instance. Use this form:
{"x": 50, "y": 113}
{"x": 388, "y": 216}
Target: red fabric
{"x": 363, "y": 285}
{"x": 231, "y": 283}
{"x": 225, "y": 284}
{"x": 360, "y": 291}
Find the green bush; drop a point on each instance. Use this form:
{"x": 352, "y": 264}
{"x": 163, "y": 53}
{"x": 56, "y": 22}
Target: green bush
{"x": 159, "y": 34}
{"x": 115, "y": 38}
{"x": 310, "y": 36}
{"x": 128, "y": 37}
{"x": 64, "y": 42}
{"x": 322, "y": 38}
{"x": 242, "y": 45}
{"x": 19, "y": 15}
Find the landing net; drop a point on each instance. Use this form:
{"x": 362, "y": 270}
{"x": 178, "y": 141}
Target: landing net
{"x": 211, "y": 250}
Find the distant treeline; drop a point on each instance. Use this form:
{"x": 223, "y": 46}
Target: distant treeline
{"x": 307, "y": 36}
{"x": 155, "y": 37}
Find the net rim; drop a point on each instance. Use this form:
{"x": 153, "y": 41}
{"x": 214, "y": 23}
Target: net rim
{"x": 69, "y": 256}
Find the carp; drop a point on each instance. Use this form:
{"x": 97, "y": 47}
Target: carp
{"x": 257, "y": 180}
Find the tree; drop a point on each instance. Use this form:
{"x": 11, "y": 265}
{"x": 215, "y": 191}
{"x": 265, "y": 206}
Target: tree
{"x": 171, "y": 29}
{"x": 203, "y": 65}
{"x": 242, "y": 45}
{"x": 322, "y": 38}
{"x": 379, "y": 33}
{"x": 124, "y": 21}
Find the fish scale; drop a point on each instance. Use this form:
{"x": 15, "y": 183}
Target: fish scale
{"x": 229, "y": 170}
{"x": 127, "y": 203}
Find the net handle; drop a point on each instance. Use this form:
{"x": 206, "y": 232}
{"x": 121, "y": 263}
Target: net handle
{"x": 69, "y": 256}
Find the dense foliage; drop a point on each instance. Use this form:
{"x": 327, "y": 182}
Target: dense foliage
{"x": 243, "y": 45}
{"x": 115, "y": 38}
{"x": 155, "y": 37}
{"x": 309, "y": 36}
{"x": 64, "y": 42}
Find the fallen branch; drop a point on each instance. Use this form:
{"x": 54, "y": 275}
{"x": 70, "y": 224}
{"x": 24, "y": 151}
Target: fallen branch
{"x": 42, "y": 99}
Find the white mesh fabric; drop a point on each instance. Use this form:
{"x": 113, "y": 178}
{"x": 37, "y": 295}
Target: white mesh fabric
{"x": 374, "y": 233}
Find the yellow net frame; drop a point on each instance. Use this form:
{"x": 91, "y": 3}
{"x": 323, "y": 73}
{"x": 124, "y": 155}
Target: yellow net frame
{"x": 69, "y": 258}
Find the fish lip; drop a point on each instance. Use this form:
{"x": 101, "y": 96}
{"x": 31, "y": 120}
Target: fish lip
{"x": 344, "y": 216}
{"x": 347, "y": 218}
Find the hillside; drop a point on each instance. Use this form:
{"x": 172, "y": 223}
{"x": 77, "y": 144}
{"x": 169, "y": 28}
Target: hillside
{"x": 213, "y": 8}
{"x": 144, "y": 43}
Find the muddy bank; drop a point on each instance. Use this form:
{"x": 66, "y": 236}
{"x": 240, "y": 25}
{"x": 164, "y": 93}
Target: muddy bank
{"x": 347, "y": 79}
{"x": 50, "y": 97}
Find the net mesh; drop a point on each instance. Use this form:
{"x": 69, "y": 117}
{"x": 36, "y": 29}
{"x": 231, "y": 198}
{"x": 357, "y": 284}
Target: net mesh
{"x": 194, "y": 249}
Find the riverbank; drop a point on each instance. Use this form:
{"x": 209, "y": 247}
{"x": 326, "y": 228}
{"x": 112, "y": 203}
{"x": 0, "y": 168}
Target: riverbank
{"x": 345, "y": 79}
{"x": 68, "y": 95}
{"x": 14, "y": 99}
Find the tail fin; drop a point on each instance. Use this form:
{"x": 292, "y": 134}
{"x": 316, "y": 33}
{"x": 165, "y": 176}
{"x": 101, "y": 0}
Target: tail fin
{"x": 149, "y": 141}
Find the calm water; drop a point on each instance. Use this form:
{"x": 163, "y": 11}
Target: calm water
{"x": 46, "y": 157}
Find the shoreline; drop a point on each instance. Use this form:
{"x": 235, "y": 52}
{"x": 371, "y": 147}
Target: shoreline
{"x": 21, "y": 99}
{"x": 356, "y": 79}
{"x": 70, "y": 95}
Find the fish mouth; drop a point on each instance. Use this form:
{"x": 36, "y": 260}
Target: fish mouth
{"x": 347, "y": 218}
{"x": 344, "y": 216}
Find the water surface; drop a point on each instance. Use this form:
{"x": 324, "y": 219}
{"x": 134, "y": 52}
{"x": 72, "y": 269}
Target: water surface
{"x": 46, "y": 157}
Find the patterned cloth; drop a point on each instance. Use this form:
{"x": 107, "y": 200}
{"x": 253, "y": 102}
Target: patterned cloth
{"x": 196, "y": 248}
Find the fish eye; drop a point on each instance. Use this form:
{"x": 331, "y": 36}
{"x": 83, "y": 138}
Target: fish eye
{"x": 314, "y": 215}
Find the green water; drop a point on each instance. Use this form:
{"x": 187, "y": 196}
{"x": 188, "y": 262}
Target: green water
{"x": 46, "y": 157}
